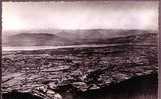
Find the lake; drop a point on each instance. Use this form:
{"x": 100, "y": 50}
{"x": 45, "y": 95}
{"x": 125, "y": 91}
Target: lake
{"x": 17, "y": 48}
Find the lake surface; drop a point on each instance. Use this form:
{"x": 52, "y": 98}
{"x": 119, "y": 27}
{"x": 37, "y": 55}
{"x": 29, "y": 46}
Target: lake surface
{"x": 16, "y": 48}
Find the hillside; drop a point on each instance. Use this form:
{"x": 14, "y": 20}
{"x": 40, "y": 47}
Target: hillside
{"x": 77, "y": 37}
{"x": 84, "y": 70}
{"x": 34, "y": 39}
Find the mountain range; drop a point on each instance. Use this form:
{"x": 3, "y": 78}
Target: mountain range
{"x": 70, "y": 37}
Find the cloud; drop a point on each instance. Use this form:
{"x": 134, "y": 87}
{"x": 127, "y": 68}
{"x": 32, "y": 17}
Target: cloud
{"x": 80, "y": 15}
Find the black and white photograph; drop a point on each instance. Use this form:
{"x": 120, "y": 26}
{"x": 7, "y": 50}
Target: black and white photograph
{"x": 80, "y": 49}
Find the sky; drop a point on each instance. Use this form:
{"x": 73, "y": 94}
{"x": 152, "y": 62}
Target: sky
{"x": 32, "y": 16}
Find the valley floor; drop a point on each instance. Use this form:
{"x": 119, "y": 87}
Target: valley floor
{"x": 79, "y": 69}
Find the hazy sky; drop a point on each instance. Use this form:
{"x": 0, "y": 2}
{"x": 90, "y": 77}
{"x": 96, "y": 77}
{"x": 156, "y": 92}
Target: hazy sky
{"x": 80, "y": 15}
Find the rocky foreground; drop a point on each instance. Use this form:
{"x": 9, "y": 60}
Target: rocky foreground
{"x": 46, "y": 74}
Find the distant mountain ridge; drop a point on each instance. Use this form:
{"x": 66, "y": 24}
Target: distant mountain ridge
{"x": 34, "y": 39}
{"x": 70, "y": 37}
